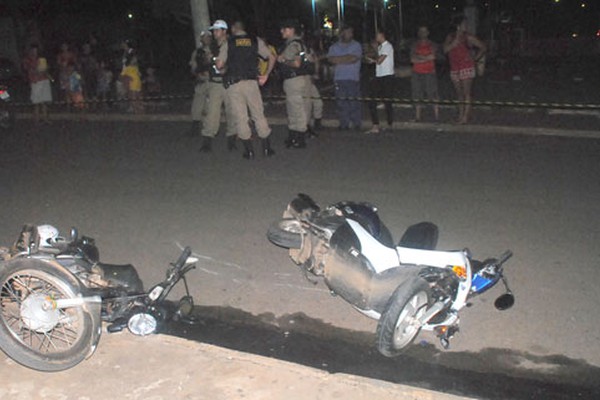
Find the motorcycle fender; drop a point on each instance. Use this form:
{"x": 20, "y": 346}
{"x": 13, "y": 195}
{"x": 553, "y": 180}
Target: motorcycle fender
{"x": 349, "y": 276}
{"x": 384, "y": 285}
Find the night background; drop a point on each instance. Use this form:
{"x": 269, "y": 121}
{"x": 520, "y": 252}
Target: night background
{"x": 163, "y": 29}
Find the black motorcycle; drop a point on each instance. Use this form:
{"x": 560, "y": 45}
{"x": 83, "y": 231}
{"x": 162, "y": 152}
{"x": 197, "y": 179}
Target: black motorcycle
{"x": 55, "y": 296}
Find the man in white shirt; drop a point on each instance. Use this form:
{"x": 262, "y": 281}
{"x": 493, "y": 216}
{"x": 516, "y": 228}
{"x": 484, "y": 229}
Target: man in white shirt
{"x": 383, "y": 84}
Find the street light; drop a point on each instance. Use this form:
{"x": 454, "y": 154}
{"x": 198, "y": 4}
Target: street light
{"x": 314, "y": 12}
{"x": 400, "y": 19}
{"x": 341, "y": 10}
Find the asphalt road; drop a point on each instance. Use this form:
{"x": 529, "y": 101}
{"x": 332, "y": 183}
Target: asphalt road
{"x": 140, "y": 188}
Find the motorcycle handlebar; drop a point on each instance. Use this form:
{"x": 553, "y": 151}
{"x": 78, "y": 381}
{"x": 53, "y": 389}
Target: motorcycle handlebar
{"x": 504, "y": 257}
{"x": 185, "y": 254}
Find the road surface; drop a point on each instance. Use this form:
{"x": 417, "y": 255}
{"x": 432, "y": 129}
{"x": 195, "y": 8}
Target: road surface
{"x": 142, "y": 188}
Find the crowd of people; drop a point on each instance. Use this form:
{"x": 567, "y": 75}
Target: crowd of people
{"x": 230, "y": 69}
{"x": 86, "y": 76}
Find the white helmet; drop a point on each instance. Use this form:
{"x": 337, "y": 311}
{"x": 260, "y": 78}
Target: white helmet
{"x": 48, "y": 235}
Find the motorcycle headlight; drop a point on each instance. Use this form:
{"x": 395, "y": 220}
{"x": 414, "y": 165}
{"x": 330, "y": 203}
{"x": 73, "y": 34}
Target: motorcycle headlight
{"x": 142, "y": 324}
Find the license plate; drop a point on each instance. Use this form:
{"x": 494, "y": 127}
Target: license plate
{"x": 4, "y": 95}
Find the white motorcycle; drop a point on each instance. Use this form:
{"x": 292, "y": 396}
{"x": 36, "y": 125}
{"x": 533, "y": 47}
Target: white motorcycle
{"x": 407, "y": 287}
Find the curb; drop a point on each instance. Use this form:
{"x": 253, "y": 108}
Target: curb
{"x": 330, "y": 123}
{"x": 165, "y": 367}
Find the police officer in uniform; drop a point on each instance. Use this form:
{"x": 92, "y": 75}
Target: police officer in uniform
{"x": 216, "y": 93}
{"x": 242, "y": 82}
{"x": 293, "y": 65}
{"x": 200, "y": 65}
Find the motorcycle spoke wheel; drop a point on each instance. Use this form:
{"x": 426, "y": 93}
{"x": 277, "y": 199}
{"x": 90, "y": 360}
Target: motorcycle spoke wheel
{"x": 37, "y": 325}
{"x": 33, "y": 330}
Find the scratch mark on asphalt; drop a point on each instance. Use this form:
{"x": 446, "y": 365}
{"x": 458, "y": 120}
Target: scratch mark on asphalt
{"x": 208, "y": 271}
{"x": 289, "y": 285}
{"x": 210, "y": 259}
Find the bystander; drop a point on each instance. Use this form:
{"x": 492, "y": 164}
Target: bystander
{"x": 459, "y": 45}
{"x": 36, "y": 70}
{"x": 346, "y": 56}
{"x": 423, "y": 78}
{"x": 382, "y": 86}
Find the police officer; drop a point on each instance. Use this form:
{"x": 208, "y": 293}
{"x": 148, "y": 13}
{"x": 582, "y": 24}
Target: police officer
{"x": 294, "y": 68}
{"x": 199, "y": 66}
{"x": 216, "y": 93}
{"x": 242, "y": 86}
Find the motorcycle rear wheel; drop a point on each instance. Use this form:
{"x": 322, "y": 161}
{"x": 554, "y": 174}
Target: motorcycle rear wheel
{"x": 45, "y": 339}
{"x": 397, "y": 327}
{"x": 286, "y": 233}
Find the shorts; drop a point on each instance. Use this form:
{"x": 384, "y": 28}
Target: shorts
{"x": 462, "y": 74}
{"x": 424, "y": 86}
{"x": 41, "y": 92}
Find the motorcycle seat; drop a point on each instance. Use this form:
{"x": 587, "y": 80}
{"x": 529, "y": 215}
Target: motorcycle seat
{"x": 423, "y": 235}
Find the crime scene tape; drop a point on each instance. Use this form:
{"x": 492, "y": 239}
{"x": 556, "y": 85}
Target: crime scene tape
{"x": 409, "y": 101}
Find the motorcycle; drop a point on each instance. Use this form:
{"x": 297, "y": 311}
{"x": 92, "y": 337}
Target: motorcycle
{"x": 7, "y": 116}
{"x": 55, "y": 294}
{"x": 407, "y": 287}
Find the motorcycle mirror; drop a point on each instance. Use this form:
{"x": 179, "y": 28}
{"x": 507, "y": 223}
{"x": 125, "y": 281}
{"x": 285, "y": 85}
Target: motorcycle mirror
{"x": 185, "y": 306}
{"x": 74, "y": 234}
{"x": 504, "y": 302}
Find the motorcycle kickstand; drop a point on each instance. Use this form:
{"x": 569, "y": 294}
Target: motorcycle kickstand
{"x": 308, "y": 278}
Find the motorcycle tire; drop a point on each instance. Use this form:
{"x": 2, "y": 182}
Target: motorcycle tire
{"x": 39, "y": 342}
{"x": 394, "y": 331}
{"x": 286, "y": 233}
{"x": 7, "y": 120}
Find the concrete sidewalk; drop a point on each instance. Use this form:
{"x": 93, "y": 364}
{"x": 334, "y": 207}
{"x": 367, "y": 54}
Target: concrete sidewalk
{"x": 512, "y": 125}
{"x": 164, "y": 367}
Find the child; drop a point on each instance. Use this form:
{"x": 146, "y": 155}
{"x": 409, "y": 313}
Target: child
{"x": 151, "y": 82}
{"x": 105, "y": 78}
{"x": 75, "y": 87}
{"x": 132, "y": 81}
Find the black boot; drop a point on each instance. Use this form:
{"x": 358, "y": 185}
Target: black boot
{"x": 317, "y": 125}
{"x": 249, "y": 153}
{"x": 300, "y": 140}
{"x": 267, "y": 150}
{"x": 194, "y": 129}
{"x": 291, "y": 139}
{"x": 206, "y": 144}
{"x": 231, "y": 143}
{"x": 310, "y": 132}
{"x": 296, "y": 140}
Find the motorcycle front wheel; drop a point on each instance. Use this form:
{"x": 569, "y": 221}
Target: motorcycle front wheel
{"x": 286, "y": 233}
{"x": 398, "y": 325}
{"x": 32, "y": 331}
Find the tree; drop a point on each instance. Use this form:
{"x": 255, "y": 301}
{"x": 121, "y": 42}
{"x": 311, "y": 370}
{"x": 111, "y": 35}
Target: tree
{"x": 200, "y": 18}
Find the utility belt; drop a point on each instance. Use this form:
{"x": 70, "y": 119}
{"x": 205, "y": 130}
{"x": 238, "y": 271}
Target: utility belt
{"x": 216, "y": 79}
{"x": 289, "y": 73}
{"x": 232, "y": 80}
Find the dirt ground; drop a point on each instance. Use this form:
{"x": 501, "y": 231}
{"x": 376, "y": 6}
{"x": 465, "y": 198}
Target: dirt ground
{"x": 162, "y": 367}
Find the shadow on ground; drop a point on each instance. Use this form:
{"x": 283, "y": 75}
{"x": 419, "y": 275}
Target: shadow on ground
{"x": 491, "y": 373}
